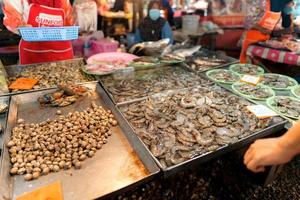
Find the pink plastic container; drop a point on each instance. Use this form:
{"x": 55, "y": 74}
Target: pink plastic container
{"x": 102, "y": 46}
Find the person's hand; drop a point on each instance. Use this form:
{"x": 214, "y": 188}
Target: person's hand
{"x": 266, "y": 152}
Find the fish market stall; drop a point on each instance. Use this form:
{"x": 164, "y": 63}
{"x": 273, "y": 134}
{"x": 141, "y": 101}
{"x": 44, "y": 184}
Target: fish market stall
{"x": 42, "y": 76}
{"x": 78, "y": 145}
{"x": 151, "y": 118}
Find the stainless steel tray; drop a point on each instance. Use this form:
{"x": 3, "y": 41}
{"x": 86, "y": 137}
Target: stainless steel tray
{"x": 16, "y": 70}
{"x": 278, "y": 124}
{"x": 138, "y": 76}
{"x": 121, "y": 163}
{"x": 228, "y": 60}
{"x": 3, "y": 120}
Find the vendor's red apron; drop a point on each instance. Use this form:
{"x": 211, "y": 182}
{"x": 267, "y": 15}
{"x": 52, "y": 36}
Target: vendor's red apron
{"x": 268, "y": 21}
{"x": 38, "y": 52}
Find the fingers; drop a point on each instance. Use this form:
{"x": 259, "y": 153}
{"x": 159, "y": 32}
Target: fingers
{"x": 253, "y": 165}
{"x": 260, "y": 169}
{"x": 248, "y": 156}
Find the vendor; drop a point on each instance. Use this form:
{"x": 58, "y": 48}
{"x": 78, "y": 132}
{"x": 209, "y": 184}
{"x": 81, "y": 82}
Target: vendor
{"x": 153, "y": 27}
{"x": 38, "y": 13}
{"x": 262, "y": 17}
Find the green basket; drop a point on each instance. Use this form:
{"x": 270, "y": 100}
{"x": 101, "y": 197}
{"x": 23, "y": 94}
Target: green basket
{"x": 233, "y": 68}
{"x": 96, "y": 73}
{"x": 270, "y": 101}
{"x": 235, "y": 89}
{"x": 209, "y": 75}
{"x": 294, "y": 89}
{"x": 279, "y": 75}
{"x": 172, "y": 62}
{"x": 143, "y": 66}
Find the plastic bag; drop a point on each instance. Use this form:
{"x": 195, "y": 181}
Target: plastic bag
{"x": 85, "y": 14}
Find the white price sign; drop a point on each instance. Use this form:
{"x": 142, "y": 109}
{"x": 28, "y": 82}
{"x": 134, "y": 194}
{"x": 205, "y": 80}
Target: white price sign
{"x": 261, "y": 111}
{"x": 253, "y": 80}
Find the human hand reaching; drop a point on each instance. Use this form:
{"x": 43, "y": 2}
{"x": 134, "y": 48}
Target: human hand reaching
{"x": 266, "y": 152}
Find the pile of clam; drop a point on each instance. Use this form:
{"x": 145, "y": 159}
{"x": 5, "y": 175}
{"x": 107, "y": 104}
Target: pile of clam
{"x": 54, "y": 145}
{"x": 53, "y": 74}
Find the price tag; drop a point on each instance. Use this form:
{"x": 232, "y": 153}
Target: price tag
{"x": 261, "y": 111}
{"x": 252, "y": 80}
{"x": 48, "y": 192}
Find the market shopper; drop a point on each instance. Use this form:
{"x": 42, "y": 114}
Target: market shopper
{"x": 153, "y": 27}
{"x": 262, "y": 17}
{"x": 273, "y": 151}
{"x": 38, "y": 13}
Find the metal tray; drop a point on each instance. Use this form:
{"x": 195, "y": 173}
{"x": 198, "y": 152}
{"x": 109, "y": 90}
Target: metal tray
{"x": 278, "y": 125}
{"x": 203, "y": 52}
{"x": 135, "y": 75}
{"x": 16, "y": 70}
{"x": 3, "y": 120}
{"x": 121, "y": 163}
{"x": 3, "y": 83}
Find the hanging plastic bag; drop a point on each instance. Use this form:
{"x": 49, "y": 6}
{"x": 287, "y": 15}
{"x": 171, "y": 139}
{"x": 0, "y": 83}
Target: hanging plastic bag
{"x": 85, "y": 14}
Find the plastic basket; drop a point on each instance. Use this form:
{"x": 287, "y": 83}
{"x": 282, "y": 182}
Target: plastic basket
{"x": 39, "y": 34}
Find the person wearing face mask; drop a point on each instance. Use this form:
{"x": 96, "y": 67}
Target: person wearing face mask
{"x": 153, "y": 27}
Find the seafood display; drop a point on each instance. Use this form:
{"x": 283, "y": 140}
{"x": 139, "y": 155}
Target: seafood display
{"x": 179, "y": 125}
{"x": 64, "y": 96}
{"x": 186, "y": 52}
{"x": 150, "y": 47}
{"x": 53, "y": 74}
{"x": 257, "y": 92}
{"x": 222, "y": 76}
{"x": 205, "y": 60}
{"x": 148, "y": 82}
{"x": 246, "y": 69}
{"x": 296, "y": 91}
{"x": 103, "y": 67}
{"x": 145, "y": 61}
{"x": 54, "y": 145}
{"x": 285, "y": 105}
{"x": 3, "y": 107}
{"x": 171, "y": 59}
{"x": 278, "y": 81}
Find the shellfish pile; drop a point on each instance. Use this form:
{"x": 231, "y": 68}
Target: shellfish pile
{"x": 148, "y": 82}
{"x": 287, "y": 106}
{"x": 54, "y": 145}
{"x": 181, "y": 125}
{"x": 223, "y": 75}
{"x": 259, "y": 92}
{"x": 53, "y": 74}
{"x": 278, "y": 81}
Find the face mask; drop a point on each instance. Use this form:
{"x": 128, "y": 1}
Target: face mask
{"x": 288, "y": 10}
{"x": 154, "y": 14}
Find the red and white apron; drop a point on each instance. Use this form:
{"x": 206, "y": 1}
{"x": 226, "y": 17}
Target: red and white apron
{"x": 38, "y": 52}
